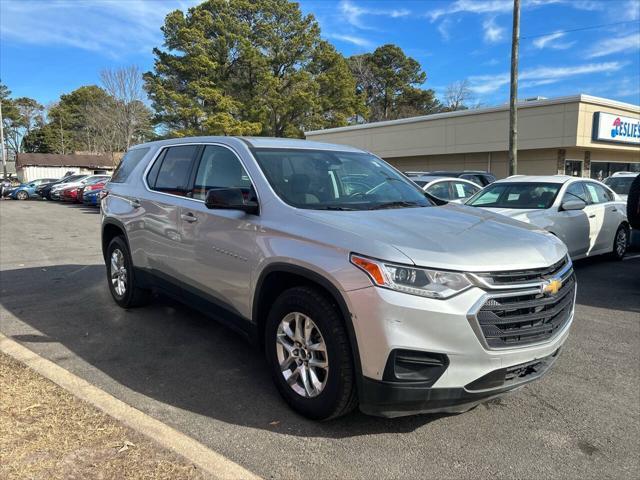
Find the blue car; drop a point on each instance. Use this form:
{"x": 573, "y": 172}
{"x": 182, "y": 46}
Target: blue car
{"x": 27, "y": 190}
{"x": 91, "y": 198}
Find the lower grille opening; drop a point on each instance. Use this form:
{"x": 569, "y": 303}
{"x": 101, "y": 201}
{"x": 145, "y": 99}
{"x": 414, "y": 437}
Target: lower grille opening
{"x": 415, "y": 366}
{"x": 512, "y": 376}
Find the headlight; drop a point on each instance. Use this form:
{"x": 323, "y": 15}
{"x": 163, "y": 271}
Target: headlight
{"x": 415, "y": 281}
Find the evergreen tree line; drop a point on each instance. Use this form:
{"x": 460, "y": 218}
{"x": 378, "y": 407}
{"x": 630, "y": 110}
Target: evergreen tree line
{"x": 247, "y": 67}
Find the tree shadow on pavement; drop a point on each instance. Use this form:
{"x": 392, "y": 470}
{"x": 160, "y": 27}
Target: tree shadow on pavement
{"x": 165, "y": 351}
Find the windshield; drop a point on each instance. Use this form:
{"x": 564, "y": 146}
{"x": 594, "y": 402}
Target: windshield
{"x": 516, "y": 195}
{"x": 327, "y": 180}
{"x": 620, "y": 185}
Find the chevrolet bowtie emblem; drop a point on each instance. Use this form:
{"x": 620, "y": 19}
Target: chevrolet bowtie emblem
{"x": 551, "y": 287}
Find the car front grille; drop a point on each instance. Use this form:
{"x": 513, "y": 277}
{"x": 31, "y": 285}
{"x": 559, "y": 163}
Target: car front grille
{"x": 522, "y": 316}
{"x": 512, "y": 277}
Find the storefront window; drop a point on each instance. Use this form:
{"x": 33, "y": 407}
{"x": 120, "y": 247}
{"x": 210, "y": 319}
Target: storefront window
{"x": 602, "y": 170}
{"x": 573, "y": 168}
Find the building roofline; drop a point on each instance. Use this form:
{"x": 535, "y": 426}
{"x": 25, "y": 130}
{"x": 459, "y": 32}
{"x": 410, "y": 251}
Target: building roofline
{"x": 581, "y": 98}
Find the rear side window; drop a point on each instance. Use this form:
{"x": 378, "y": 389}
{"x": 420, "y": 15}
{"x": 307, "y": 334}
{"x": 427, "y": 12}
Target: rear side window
{"x": 170, "y": 172}
{"x": 463, "y": 190}
{"x": 128, "y": 163}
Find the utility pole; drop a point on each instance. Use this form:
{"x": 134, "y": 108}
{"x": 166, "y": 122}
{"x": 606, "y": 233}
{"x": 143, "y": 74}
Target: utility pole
{"x": 513, "y": 97}
{"x": 4, "y": 151}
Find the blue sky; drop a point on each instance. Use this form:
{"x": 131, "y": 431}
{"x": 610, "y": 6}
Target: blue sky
{"x": 51, "y": 47}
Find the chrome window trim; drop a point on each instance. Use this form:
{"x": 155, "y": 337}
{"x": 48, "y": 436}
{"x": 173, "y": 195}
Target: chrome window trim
{"x": 163, "y": 147}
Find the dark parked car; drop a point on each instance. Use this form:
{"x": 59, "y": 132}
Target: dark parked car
{"x": 44, "y": 190}
{"x": 476, "y": 176}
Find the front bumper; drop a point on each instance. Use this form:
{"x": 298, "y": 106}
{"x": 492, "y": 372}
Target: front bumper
{"x": 395, "y": 399}
{"x": 386, "y": 320}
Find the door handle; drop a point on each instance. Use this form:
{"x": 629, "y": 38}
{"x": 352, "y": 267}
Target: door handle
{"x": 134, "y": 202}
{"x": 189, "y": 217}
{"x": 592, "y": 216}
{"x": 614, "y": 209}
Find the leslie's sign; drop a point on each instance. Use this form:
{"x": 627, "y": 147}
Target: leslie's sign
{"x": 616, "y": 128}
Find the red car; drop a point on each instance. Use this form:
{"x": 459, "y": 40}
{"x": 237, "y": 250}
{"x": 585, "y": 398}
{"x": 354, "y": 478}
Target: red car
{"x": 88, "y": 188}
{"x": 69, "y": 194}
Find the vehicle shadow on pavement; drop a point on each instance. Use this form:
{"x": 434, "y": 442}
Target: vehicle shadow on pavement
{"x": 165, "y": 351}
{"x": 594, "y": 274}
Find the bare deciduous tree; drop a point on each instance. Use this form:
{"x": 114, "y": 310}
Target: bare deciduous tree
{"x": 128, "y": 113}
{"x": 458, "y": 95}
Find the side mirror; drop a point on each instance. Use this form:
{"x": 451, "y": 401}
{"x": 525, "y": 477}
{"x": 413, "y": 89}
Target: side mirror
{"x": 230, "y": 199}
{"x": 573, "y": 205}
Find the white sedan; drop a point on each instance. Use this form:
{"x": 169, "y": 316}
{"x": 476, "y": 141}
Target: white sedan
{"x": 585, "y": 214}
{"x": 448, "y": 189}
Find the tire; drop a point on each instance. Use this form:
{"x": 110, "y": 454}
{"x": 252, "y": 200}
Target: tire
{"x": 620, "y": 243}
{"x": 335, "y": 394}
{"x": 22, "y": 195}
{"x": 122, "y": 285}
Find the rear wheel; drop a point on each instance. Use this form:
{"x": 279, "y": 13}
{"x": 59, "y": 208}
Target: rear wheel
{"x": 120, "y": 274}
{"x": 309, "y": 354}
{"x": 22, "y": 195}
{"x": 620, "y": 243}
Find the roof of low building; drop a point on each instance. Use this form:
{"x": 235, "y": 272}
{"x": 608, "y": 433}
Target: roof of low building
{"x": 478, "y": 111}
{"x": 59, "y": 160}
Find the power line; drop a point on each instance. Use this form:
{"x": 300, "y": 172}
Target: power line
{"x": 593, "y": 27}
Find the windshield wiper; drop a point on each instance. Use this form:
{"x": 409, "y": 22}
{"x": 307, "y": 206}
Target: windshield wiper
{"x": 335, "y": 207}
{"x": 397, "y": 204}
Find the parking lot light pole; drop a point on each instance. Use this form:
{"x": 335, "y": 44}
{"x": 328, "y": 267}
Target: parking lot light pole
{"x": 513, "y": 96}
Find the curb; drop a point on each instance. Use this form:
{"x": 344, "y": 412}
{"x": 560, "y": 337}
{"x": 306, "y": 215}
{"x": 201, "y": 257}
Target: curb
{"x": 214, "y": 464}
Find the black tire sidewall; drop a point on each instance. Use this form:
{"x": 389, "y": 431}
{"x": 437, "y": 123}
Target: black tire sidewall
{"x": 124, "y": 301}
{"x": 329, "y": 322}
{"x": 614, "y": 252}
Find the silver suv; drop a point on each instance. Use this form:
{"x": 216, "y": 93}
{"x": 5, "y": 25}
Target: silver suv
{"x": 359, "y": 289}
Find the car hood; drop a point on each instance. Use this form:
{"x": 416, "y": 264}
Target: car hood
{"x": 454, "y": 237}
{"x": 518, "y": 213}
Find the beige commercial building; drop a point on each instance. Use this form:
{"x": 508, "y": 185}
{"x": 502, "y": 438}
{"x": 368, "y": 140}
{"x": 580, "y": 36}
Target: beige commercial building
{"x": 579, "y": 135}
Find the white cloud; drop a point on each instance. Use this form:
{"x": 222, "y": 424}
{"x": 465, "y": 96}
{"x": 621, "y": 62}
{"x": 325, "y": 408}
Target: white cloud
{"x": 444, "y": 29}
{"x": 111, "y": 27}
{"x": 354, "y": 13}
{"x": 473, "y": 6}
{"x": 359, "y": 41}
{"x": 631, "y": 8}
{"x": 549, "y": 41}
{"x": 625, "y": 44}
{"x": 492, "y": 32}
{"x": 483, "y": 84}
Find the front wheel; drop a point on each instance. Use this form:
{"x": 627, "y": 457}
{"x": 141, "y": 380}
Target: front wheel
{"x": 620, "y": 243}
{"x": 22, "y": 195}
{"x": 308, "y": 351}
{"x": 120, "y": 274}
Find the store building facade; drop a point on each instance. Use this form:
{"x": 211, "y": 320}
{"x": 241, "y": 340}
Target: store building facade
{"x": 578, "y": 135}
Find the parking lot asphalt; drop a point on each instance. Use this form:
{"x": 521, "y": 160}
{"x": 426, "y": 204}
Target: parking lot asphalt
{"x": 581, "y": 421}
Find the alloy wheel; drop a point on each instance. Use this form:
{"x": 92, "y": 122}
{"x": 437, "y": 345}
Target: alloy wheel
{"x": 302, "y": 354}
{"x": 621, "y": 242}
{"x": 118, "y": 272}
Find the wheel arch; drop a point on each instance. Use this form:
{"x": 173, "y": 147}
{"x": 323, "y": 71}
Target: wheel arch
{"x": 278, "y": 277}
{"x": 112, "y": 228}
